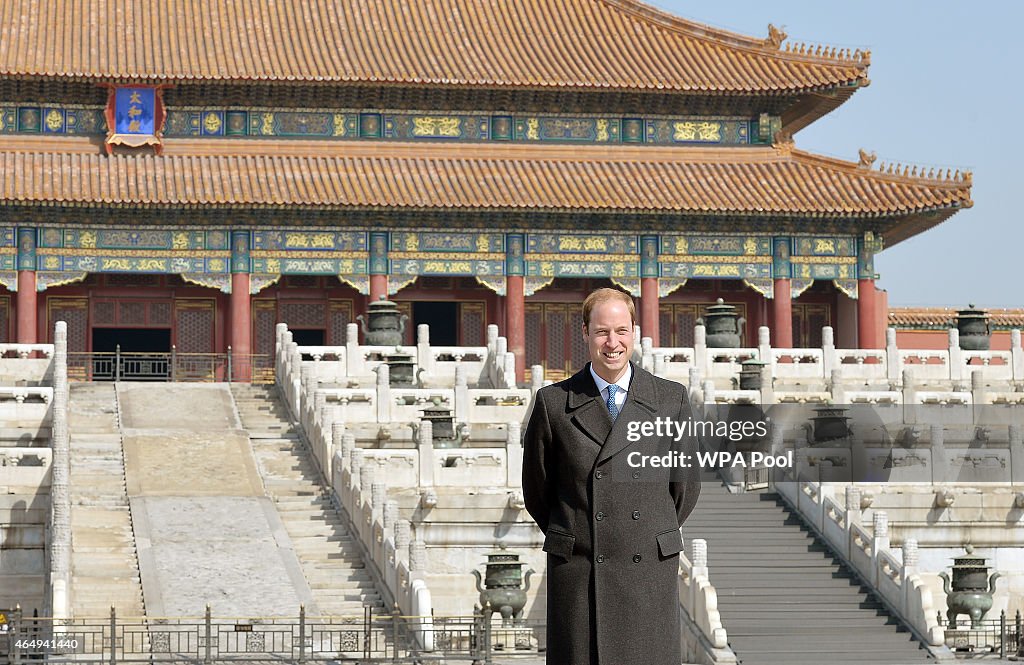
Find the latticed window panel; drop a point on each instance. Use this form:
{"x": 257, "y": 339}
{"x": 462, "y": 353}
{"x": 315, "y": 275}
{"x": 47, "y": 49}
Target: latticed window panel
{"x": 104, "y": 313}
{"x": 664, "y": 327}
{"x": 75, "y": 312}
{"x": 132, "y": 280}
{"x": 340, "y": 317}
{"x": 555, "y": 320}
{"x": 471, "y": 323}
{"x": 434, "y": 282}
{"x": 264, "y": 321}
{"x": 160, "y": 313}
{"x": 676, "y": 324}
{"x": 131, "y": 313}
{"x": 195, "y": 329}
{"x": 308, "y": 314}
{"x": 534, "y": 335}
{"x": 5, "y": 319}
{"x": 574, "y": 334}
{"x": 301, "y": 281}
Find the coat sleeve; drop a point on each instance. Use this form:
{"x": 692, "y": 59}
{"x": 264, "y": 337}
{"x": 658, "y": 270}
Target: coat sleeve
{"x": 539, "y": 465}
{"x": 685, "y": 486}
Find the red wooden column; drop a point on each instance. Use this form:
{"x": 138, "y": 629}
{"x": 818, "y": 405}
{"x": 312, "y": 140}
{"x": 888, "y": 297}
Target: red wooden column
{"x": 515, "y": 300}
{"x": 240, "y": 337}
{"x": 782, "y": 314}
{"x": 649, "y": 309}
{"x": 26, "y": 304}
{"x": 379, "y": 267}
{"x": 378, "y": 287}
{"x": 515, "y": 322}
{"x": 649, "y": 273}
{"x": 867, "y": 315}
{"x": 26, "y": 301}
{"x": 868, "y": 324}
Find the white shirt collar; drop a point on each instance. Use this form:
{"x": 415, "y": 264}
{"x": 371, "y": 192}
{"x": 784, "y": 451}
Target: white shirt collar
{"x": 622, "y": 383}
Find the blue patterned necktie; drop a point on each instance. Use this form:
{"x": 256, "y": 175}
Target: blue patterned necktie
{"x": 612, "y": 408}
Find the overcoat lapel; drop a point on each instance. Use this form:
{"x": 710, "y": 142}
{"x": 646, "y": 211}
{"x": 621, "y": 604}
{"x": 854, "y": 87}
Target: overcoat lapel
{"x": 641, "y": 402}
{"x": 588, "y": 411}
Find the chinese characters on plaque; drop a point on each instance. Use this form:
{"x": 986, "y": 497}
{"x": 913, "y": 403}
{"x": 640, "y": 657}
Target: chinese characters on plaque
{"x": 135, "y": 117}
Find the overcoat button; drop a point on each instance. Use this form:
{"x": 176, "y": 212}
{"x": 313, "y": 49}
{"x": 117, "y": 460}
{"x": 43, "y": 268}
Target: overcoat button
{"x": 636, "y": 474}
{"x": 599, "y": 516}
{"x": 600, "y": 558}
{"x": 636, "y": 558}
{"x": 636, "y": 514}
{"x": 599, "y": 475}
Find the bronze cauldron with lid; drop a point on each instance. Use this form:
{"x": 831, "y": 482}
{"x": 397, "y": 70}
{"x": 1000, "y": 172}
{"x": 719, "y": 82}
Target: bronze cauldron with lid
{"x": 971, "y": 590}
{"x": 975, "y": 329}
{"x": 385, "y": 325}
{"x": 724, "y": 326}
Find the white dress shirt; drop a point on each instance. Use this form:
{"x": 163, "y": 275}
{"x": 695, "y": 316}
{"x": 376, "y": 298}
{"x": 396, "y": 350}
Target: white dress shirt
{"x": 622, "y": 383}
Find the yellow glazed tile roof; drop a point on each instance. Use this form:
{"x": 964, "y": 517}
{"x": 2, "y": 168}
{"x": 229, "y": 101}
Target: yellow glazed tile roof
{"x": 609, "y": 44}
{"x": 761, "y": 181}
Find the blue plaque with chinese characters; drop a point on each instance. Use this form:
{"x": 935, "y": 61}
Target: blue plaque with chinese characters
{"x": 134, "y": 111}
{"x": 135, "y": 116}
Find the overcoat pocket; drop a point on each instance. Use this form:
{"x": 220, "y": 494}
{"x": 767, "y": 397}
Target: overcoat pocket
{"x": 559, "y": 544}
{"x": 670, "y": 542}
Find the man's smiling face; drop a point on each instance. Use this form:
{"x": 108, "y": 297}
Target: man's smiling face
{"x": 609, "y": 338}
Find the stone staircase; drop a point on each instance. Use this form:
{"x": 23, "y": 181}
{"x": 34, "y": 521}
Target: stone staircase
{"x": 104, "y": 561}
{"x": 783, "y": 597}
{"x": 327, "y": 552}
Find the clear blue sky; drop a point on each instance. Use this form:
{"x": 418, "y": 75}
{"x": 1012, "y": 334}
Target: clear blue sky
{"x": 946, "y": 91}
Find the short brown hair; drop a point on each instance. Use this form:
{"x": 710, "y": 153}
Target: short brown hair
{"x": 603, "y": 295}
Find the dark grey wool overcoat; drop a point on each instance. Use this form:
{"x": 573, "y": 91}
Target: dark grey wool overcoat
{"x": 611, "y": 530}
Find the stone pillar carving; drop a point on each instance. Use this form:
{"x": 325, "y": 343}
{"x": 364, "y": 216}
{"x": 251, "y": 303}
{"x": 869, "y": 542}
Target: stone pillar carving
{"x": 403, "y": 536}
{"x": 417, "y": 555}
{"x": 425, "y": 450}
{"x": 60, "y": 492}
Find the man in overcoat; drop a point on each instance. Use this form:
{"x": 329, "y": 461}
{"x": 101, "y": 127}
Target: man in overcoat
{"x": 611, "y": 526}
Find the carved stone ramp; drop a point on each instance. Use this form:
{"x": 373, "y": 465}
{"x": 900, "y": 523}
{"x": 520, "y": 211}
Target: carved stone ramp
{"x": 104, "y": 564}
{"x": 206, "y": 533}
{"x": 784, "y": 598}
{"x": 329, "y": 556}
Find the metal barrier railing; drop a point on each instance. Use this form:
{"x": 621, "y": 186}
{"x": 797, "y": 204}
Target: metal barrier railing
{"x": 371, "y": 638}
{"x": 171, "y": 366}
{"x": 756, "y": 478}
{"x": 1001, "y": 635}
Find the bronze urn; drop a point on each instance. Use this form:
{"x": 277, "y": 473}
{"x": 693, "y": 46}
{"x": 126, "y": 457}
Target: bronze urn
{"x": 975, "y": 329}
{"x": 500, "y": 589}
{"x": 971, "y": 590}
{"x": 751, "y": 374}
{"x": 830, "y": 423}
{"x": 724, "y": 326}
{"x": 443, "y": 430}
{"x": 385, "y": 325}
{"x": 400, "y": 369}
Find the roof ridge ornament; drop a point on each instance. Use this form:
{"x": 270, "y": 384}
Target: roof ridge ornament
{"x": 866, "y": 158}
{"x": 775, "y": 37}
{"x": 957, "y": 177}
{"x": 861, "y": 56}
{"x": 783, "y": 141}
